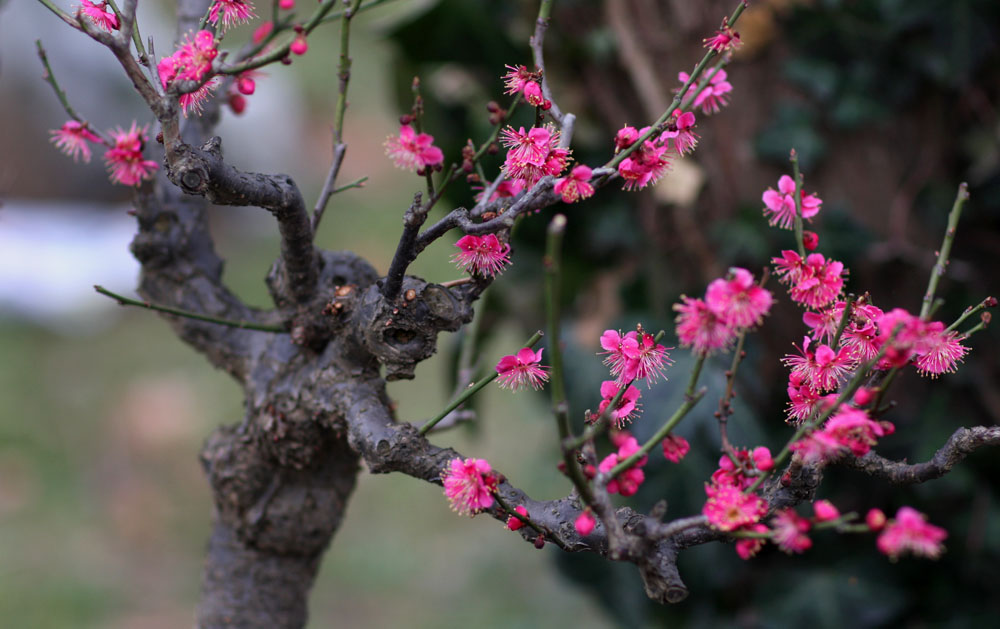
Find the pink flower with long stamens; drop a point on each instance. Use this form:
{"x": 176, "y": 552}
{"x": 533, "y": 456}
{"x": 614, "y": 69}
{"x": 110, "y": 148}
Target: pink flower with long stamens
{"x": 614, "y": 343}
{"x": 822, "y": 369}
{"x": 645, "y": 165}
{"x": 485, "y": 255}
{"x": 789, "y": 531}
{"x": 738, "y": 300}
{"x": 910, "y": 531}
{"x": 813, "y": 282}
{"x": 577, "y": 186}
{"x": 940, "y": 351}
{"x": 824, "y": 323}
{"x": 232, "y": 12}
{"x": 714, "y": 95}
{"x": 99, "y": 14}
{"x": 523, "y": 369}
{"x": 469, "y": 485}
{"x": 728, "y": 508}
{"x": 646, "y": 359}
{"x": 681, "y": 132}
{"x": 627, "y": 408}
{"x": 700, "y": 328}
{"x": 533, "y": 154}
{"x": 124, "y": 160}
{"x": 516, "y": 78}
{"x": 413, "y": 151}
{"x": 71, "y": 139}
{"x": 780, "y": 205}
{"x": 629, "y": 480}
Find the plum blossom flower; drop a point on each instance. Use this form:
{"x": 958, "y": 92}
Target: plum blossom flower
{"x": 625, "y": 137}
{"x": 629, "y": 480}
{"x": 577, "y": 186}
{"x": 940, "y": 352}
{"x": 700, "y": 328}
{"x": 191, "y": 61}
{"x": 124, "y": 159}
{"x": 533, "y": 154}
{"x": 738, "y": 300}
{"x": 513, "y": 523}
{"x": 521, "y": 370}
{"x": 585, "y": 522}
{"x": 485, "y": 255}
{"x": 910, "y": 531}
{"x": 627, "y": 408}
{"x": 232, "y": 12}
{"x": 725, "y": 39}
{"x": 849, "y": 430}
{"x": 788, "y": 531}
{"x": 675, "y": 448}
{"x": 469, "y": 485}
{"x": 634, "y": 357}
{"x": 813, "y": 282}
{"x": 413, "y": 151}
{"x": 822, "y": 369}
{"x": 728, "y": 508}
{"x": 505, "y": 189}
{"x": 780, "y": 205}
{"x": 645, "y": 165}
{"x": 99, "y": 14}
{"x": 516, "y": 78}
{"x": 681, "y": 131}
{"x": 71, "y": 139}
{"x": 714, "y": 95}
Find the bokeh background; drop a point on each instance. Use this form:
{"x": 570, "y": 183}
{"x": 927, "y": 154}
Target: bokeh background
{"x": 103, "y": 508}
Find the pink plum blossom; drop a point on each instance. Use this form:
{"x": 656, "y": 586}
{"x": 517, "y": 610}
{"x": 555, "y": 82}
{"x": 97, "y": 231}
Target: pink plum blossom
{"x": 747, "y": 547}
{"x": 738, "y": 300}
{"x": 822, "y": 369}
{"x": 788, "y": 531}
{"x": 71, "y": 139}
{"x": 675, "y": 448}
{"x": 627, "y": 408}
{"x": 779, "y": 206}
{"x": 232, "y": 12}
{"x": 533, "y": 154}
{"x": 413, "y": 151}
{"x": 575, "y": 187}
{"x": 469, "y": 485}
{"x": 724, "y": 40}
{"x": 813, "y": 282}
{"x": 910, "y": 531}
{"x": 521, "y": 370}
{"x": 100, "y": 14}
{"x": 484, "y": 256}
{"x": 714, "y": 95}
{"x": 700, "y": 328}
{"x": 629, "y": 480}
{"x": 124, "y": 160}
{"x": 728, "y": 508}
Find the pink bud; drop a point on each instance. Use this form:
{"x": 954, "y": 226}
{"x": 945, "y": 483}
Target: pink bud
{"x": 540, "y": 542}
{"x": 237, "y": 103}
{"x": 585, "y": 523}
{"x": 875, "y": 519}
{"x": 825, "y": 511}
{"x": 287, "y": 4}
{"x": 262, "y": 31}
{"x": 762, "y": 459}
{"x": 515, "y": 523}
{"x": 246, "y": 85}
{"x": 863, "y": 396}
{"x": 299, "y": 45}
{"x": 810, "y": 240}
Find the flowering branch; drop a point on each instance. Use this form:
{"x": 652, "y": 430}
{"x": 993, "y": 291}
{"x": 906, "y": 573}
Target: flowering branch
{"x": 472, "y": 389}
{"x": 50, "y": 78}
{"x": 942, "y": 261}
{"x": 961, "y": 444}
{"x": 799, "y": 243}
{"x": 246, "y": 325}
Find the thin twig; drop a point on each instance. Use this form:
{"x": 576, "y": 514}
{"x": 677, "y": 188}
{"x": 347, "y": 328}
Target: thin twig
{"x": 949, "y": 237}
{"x": 246, "y": 325}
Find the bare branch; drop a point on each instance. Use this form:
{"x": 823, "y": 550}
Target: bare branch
{"x": 961, "y": 444}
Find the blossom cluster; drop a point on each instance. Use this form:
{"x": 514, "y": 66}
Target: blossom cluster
{"x": 652, "y": 158}
{"x": 533, "y": 154}
{"x": 192, "y": 61}
{"x": 413, "y": 151}
{"x": 520, "y": 80}
{"x": 730, "y": 506}
{"x": 731, "y": 305}
{"x": 124, "y": 159}
{"x": 628, "y": 481}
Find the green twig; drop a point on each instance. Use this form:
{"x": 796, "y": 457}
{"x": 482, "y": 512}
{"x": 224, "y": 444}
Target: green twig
{"x": 247, "y": 325}
{"x": 844, "y": 318}
{"x": 470, "y": 391}
{"x": 65, "y": 17}
{"x": 799, "y": 244}
{"x": 989, "y": 302}
{"x": 949, "y": 237}
{"x": 691, "y": 397}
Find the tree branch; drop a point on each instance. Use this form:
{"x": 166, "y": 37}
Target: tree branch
{"x": 961, "y": 444}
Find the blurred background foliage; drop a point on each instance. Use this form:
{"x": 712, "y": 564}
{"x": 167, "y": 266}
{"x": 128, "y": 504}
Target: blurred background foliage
{"x": 103, "y": 510}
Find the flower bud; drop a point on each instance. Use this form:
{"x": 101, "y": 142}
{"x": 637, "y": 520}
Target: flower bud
{"x": 875, "y": 519}
{"x": 863, "y": 396}
{"x": 825, "y": 511}
{"x": 584, "y": 523}
{"x": 515, "y": 523}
